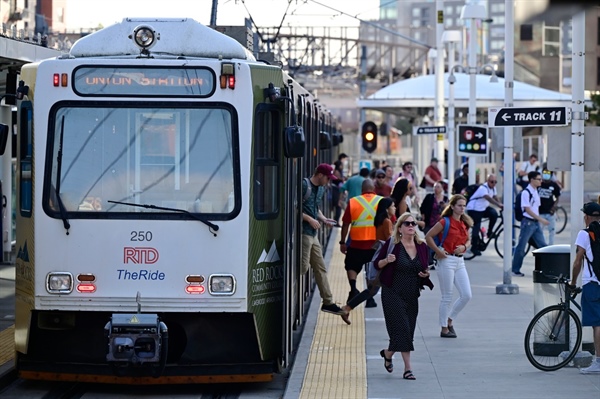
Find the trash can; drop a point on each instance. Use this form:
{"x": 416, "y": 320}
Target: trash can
{"x": 554, "y": 260}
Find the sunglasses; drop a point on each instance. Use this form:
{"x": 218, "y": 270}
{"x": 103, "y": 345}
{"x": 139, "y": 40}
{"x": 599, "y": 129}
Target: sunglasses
{"x": 408, "y": 224}
{"x": 494, "y": 181}
{"x": 381, "y": 177}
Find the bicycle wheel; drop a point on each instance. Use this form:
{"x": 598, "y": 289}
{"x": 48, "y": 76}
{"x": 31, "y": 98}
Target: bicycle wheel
{"x": 500, "y": 246}
{"x": 561, "y": 219}
{"x": 552, "y": 338}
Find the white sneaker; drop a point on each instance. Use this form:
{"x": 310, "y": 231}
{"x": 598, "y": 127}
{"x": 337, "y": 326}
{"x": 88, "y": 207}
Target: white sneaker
{"x": 593, "y": 369}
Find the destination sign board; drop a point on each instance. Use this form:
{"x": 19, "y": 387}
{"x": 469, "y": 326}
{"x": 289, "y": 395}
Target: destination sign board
{"x": 472, "y": 140}
{"x": 538, "y": 116}
{"x": 150, "y": 82}
{"x": 429, "y": 129}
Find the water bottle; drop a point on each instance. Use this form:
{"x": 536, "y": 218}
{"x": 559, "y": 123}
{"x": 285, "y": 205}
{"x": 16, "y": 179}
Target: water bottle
{"x": 483, "y": 232}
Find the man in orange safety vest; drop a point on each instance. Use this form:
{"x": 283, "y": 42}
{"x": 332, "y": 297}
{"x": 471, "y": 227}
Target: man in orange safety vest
{"x": 359, "y": 219}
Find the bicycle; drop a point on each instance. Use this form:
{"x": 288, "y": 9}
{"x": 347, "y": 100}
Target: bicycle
{"x": 484, "y": 240}
{"x": 554, "y": 335}
{"x": 560, "y": 215}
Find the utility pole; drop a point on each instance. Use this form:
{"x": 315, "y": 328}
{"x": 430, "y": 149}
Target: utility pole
{"x": 213, "y": 13}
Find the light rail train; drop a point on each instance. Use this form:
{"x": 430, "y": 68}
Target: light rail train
{"x": 158, "y": 220}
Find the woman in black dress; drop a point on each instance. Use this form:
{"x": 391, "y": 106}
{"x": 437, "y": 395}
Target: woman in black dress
{"x": 404, "y": 272}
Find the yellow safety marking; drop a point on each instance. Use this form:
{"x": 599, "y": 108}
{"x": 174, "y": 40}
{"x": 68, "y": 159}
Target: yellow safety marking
{"x": 134, "y": 319}
{"x": 7, "y": 344}
{"x": 337, "y": 366}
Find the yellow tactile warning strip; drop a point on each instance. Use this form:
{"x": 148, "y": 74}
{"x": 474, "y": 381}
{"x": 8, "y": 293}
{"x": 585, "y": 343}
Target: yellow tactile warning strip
{"x": 337, "y": 366}
{"x": 7, "y": 345}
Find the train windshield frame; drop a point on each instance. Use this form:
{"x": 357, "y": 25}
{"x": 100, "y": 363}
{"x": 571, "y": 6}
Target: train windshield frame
{"x": 178, "y": 155}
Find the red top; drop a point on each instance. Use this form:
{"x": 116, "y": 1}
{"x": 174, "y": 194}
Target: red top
{"x": 434, "y": 173}
{"x": 384, "y": 230}
{"x": 385, "y": 190}
{"x": 457, "y": 235}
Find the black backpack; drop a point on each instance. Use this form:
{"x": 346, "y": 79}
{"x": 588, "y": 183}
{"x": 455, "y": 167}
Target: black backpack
{"x": 468, "y": 191}
{"x": 594, "y": 232}
{"x": 517, "y": 207}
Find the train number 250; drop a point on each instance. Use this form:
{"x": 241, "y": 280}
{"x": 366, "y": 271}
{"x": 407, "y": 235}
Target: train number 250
{"x": 141, "y": 236}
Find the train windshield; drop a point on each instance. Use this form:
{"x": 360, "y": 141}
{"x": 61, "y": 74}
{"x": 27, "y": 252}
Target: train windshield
{"x": 176, "y": 156}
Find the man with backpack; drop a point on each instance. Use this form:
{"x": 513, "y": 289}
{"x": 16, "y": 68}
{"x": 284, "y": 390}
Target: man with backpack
{"x": 531, "y": 224}
{"x": 312, "y": 219}
{"x": 479, "y": 207}
{"x": 588, "y": 249}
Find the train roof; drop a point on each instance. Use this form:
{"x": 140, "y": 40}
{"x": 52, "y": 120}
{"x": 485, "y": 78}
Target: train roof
{"x": 178, "y": 37}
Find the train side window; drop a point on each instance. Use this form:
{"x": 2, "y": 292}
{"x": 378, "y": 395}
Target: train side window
{"x": 25, "y": 156}
{"x": 267, "y": 129}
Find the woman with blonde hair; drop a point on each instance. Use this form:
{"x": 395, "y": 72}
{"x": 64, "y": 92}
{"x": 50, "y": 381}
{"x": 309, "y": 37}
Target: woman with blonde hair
{"x": 403, "y": 275}
{"x": 451, "y": 268}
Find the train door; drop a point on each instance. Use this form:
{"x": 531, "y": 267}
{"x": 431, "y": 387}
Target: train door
{"x": 292, "y": 255}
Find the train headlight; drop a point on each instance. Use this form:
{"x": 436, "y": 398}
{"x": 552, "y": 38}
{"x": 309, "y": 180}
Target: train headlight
{"x": 59, "y": 283}
{"x": 221, "y": 284}
{"x": 144, "y": 37}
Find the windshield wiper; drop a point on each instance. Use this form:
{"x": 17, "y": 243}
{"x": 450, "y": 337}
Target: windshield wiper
{"x": 213, "y": 228}
{"x": 61, "y": 206}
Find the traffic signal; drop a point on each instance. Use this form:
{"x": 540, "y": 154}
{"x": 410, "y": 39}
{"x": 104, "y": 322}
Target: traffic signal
{"x": 369, "y": 136}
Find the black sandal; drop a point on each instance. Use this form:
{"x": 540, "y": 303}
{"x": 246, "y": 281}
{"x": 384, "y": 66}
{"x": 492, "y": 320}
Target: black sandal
{"x": 408, "y": 375}
{"x": 387, "y": 363}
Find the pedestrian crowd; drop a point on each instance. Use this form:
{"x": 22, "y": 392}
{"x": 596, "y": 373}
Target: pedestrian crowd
{"x": 380, "y": 229}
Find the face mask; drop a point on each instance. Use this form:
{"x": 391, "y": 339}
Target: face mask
{"x": 546, "y": 176}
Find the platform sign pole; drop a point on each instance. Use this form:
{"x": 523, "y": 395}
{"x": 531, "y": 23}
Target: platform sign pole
{"x": 507, "y": 287}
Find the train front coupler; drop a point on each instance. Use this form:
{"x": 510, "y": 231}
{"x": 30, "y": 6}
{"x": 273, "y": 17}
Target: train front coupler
{"x": 136, "y": 339}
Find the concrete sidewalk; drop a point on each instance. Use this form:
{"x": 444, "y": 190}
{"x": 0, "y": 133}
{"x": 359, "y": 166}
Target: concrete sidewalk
{"x": 487, "y": 360}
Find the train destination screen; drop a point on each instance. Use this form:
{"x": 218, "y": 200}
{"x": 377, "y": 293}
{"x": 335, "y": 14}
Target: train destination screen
{"x": 127, "y": 81}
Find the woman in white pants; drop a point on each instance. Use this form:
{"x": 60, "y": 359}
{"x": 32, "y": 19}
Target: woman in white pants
{"x": 449, "y": 251}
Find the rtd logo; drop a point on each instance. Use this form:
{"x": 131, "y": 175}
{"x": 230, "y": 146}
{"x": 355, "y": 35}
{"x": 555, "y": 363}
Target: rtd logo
{"x": 140, "y": 255}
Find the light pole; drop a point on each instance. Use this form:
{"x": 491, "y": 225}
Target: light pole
{"x": 507, "y": 287}
{"x": 451, "y": 37}
{"x": 472, "y": 12}
{"x": 438, "y": 110}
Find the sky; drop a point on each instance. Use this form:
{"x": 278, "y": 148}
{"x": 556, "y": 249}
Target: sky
{"x": 80, "y": 14}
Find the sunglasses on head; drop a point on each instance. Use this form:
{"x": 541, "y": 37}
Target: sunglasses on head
{"x": 410, "y": 223}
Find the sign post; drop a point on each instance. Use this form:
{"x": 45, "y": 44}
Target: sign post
{"x": 365, "y": 163}
{"x": 429, "y": 130}
{"x": 473, "y": 140}
{"x": 539, "y": 116}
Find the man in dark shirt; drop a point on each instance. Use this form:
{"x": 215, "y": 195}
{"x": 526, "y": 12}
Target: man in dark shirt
{"x": 549, "y": 193}
{"x": 312, "y": 217}
{"x": 462, "y": 181}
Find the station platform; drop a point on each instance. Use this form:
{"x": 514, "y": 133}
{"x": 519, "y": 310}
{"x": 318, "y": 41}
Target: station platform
{"x": 487, "y": 360}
